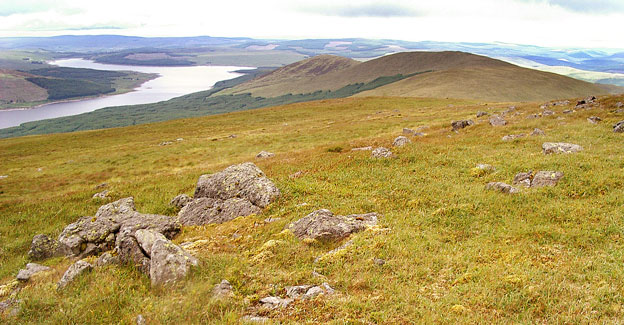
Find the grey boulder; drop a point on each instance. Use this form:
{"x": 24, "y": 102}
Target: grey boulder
{"x": 324, "y": 225}
{"x": 497, "y": 120}
{"x": 546, "y": 178}
{"x": 30, "y": 270}
{"x": 43, "y": 247}
{"x": 501, "y": 187}
{"x": 382, "y": 152}
{"x": 73, "y": 272}
{"x": 223, "y": 290}
{"x": 456, "y": 125}
{"x": 401, "y": 141}
{"x": 204, "y": 211}
{"x": 560, "y": 147}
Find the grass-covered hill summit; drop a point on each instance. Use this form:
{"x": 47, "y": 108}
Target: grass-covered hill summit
{"x": 440, "y": 74}
{"x": 446, "y": 250}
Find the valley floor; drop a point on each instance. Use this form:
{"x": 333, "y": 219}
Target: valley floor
{"x": 453, "y": 252}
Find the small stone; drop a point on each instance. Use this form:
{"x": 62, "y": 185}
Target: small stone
{"x": 271, "y": 219}
{"x": 512, "y": 137}
{"x": 568, "y": 111}
{"x": 255, "y": 319}
{"x": 369, "y": 148}
{"x": 619, "y": 105}
{"x": 101, "y": 186}
{"x": 101, "y": 195}
{"x": 523, "y": 179}
{"x": 297, "y": 292}
{"x": 265, "y": 154}
{"x": 379, "y": 261}
{"x": 496, "y": 120}
{"x": 296, "y": 175}
{"x": 401, "y": 141}
{"x": 313, "y": 293}
{"x": 548, "y": 112}
{"x": 501, "y": 187}
{"x": 180, "y": 139}
{"x": 481, "y": 113}
{"x": 328, "y": 289}
{"x": 560, "y": 147}
{"x": 594, "y": 119}
{"x": 73, "y": 272}
{"x": 619, "y": 127}
{"x": 223, "y": 290}
{"x": 140, "y": 320}
{"x": 537, "y": 132}
{"x": 456, "y": 125}
{"x": 382, "y": 152}
{"x": 30, "y": 270}
{"x": 408, "y": 131}
{"x": 165, "y": 143}
{"x": 4, "y": 176}
{"x": 275, "y": 302}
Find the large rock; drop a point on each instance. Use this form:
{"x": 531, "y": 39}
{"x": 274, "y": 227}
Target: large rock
{"x": 30, "y": 270}
{"x": 560, "y": 147}
{"x": 324, "y": 225}
{"x": 169, "y": 263}
{"x": 238, "y": 181}
{"x": 546, "y": 178}
{"x": 43, "y": 247}
{"x": 619, "y": 127}
{"x": 456, "y": 125}
{"x": 73, "y": 272}
{"x": 501, "y": 187}
{"x": 204, "y": 211}
{"x": 401, "y": 141}
{"x": 497, "y": 120}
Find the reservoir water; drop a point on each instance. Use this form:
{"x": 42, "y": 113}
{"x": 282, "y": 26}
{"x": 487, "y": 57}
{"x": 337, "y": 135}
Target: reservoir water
{"x": 172, "y": 82}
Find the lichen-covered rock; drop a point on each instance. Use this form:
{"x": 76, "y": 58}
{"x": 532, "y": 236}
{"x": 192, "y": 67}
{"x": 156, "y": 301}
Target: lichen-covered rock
{"x": 523, "y": 179}
{"x": 324, "y": 225}
{"x": 501, "y": 187}
{"x": 107, "y": 259}
{"x": 238, "y": 181}
{"x": 99, "y": 232}
{"x": 30, "y": 270}
{"x": 73, "y": 272}
{"x": 497, "y": 120}
{"x": 560, "y": 147}
{"x": 537, "y": 132}
{"x": 382, "y": 152}
{"x": 619, "y": 127}
{"x": 180, "y": 201}
{"x": 456, "y": 125}
{"x": 546, "y": 178}
{"x": 169, "y": 263}
{"x": 43, "y": 247}
{"x": 401, "y": 141}
{"x": 204, "y": 211}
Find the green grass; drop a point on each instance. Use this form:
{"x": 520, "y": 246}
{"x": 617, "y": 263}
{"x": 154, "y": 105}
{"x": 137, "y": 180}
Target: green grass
{"x": 454, "y": 252}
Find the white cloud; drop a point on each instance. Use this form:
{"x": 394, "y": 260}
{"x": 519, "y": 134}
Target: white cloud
{"x": 540, "y": 22}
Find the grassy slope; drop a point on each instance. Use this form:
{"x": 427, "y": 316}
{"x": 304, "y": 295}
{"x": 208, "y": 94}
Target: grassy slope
{"x": 490, "y": 84}
{"x": 454, "y": 70}
{"x": 15, "y": 88}
{"x": 454, "y": 252}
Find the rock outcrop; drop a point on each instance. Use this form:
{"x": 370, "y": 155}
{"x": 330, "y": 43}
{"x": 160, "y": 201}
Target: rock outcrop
{"x": 560, "y": 147}
{"x": 43, "y": 247}
{"x": 324, "y": 225}
{"x": 239, "y": 190}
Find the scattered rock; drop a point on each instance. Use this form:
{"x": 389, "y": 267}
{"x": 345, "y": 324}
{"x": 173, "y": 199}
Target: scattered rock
{"x": 165, "y": 143}
{"x": 619, "y": 110}
{"x": 619, "y": 127}
{"x": 379, "y": 261}
{"x": 501, "y": 187}
{"x": 408, "y": 131}
{"x": 497, "y": 120}
{"x": 12, "y": 305}
{"x": 169, "y": 263}
{"x": 30, "y": 270}
{"x": 296, "y": 175}
{"x": 619, "y": 105}
{"x": 560, "y": 147}
{"x": 43, "y": 247}
{"x": 140, "y": 320}
{"x": 106, "y": 259}
{"x": 561, "y": 103}
{"x": 537, "y": 132}
{"x": 101, "y": 195}
{"x": 313, "y": 293}
{"x": 255, "y": 319}
{"x": 265, "y": 154}
{"x": 547, "y": 112}
{"x": 305, "y": 292}
{"x": 481, "y": 113}
{"x": 223, "y": 290}
{"x": 512, "y": 137}
{"x": 271, "y": 219}
{"x": 594, "y": 119}
{"x": 297, "y": 292}
{"x": 568, "y": 111}
{"x": 532, "y": 116}
{"x": 73, "y": 272}
{"x": 180, "y": 201}
{"x": 369, "y": 148}
{"x": 456, "y": 125}
{"x": 232, "y": 136}
{"x": 324, "y": 225}
{"x": 382, "y": 152}
{"x": 180, "y": 139}
{"x": 275, "y": 302}
{"x": 482, "y": 169}
{"x": 101, "y": 186}
{"x": 4, "y": 176}
{"x": 523, "y": 179}
{"x": 401, "y": 141}
{"x": 546, "y": 178}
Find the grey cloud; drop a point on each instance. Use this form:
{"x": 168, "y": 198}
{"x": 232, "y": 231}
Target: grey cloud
{"x": 366, "y": 10}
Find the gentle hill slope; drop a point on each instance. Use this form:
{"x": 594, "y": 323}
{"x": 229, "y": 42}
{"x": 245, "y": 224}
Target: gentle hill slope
{"x": 14, "y": 88}
{"x": 448, "y": 75}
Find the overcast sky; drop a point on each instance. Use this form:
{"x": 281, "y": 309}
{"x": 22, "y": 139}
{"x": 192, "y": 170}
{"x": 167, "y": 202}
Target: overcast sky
{"x": 556, "y": 23}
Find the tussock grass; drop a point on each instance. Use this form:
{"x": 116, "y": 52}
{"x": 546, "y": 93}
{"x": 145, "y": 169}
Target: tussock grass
{"x": 454, "y": 252}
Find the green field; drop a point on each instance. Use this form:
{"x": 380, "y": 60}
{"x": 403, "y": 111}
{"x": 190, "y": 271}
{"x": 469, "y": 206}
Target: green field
{"x": 454, "y": 252}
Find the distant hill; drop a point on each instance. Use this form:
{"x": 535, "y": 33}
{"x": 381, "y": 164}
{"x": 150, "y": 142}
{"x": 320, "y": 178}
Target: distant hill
{"x": 448, "y": 74}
